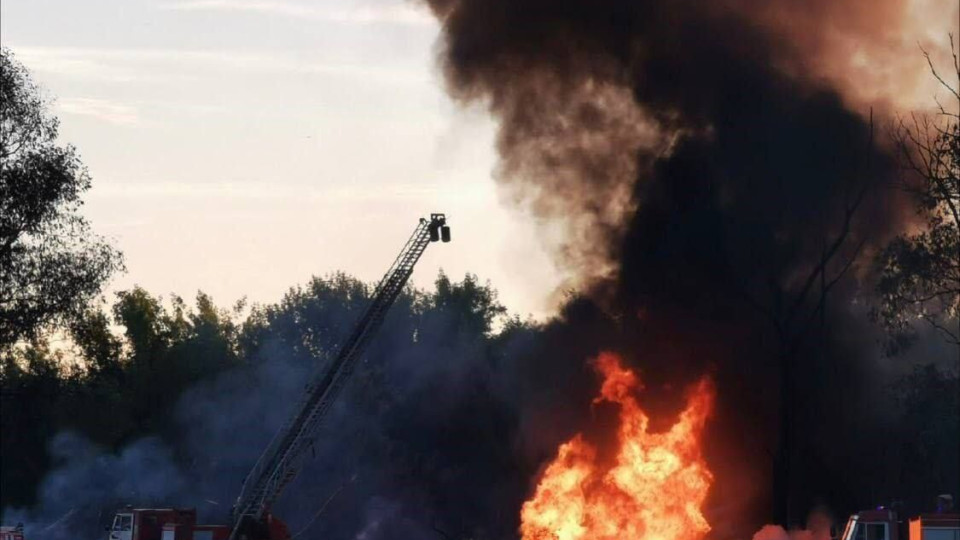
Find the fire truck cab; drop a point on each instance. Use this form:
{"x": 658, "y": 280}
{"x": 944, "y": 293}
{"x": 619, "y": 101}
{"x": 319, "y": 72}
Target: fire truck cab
{"x": 181, "y": 524}
{"x": 163, "y": 524}
{"x": 883, "y": 524}
{"x": 12, "y": 533}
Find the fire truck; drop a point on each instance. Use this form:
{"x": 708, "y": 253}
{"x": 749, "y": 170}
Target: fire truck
{"x": 163, "y": 523}
{"x": 12, "y": 533}
{"x": 278, "y": 465}
{"x": 885, "y": 524}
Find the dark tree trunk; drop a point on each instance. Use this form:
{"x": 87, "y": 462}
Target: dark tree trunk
{"x": 782, "y": 462}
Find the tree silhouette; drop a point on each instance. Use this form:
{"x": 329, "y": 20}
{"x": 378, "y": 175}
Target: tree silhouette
{"x": 920, "y": 272}
{"x": 51, "y": 264}
{"x": 114, "y": 388}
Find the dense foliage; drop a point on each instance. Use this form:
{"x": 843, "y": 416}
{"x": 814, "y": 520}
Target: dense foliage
{"x": 115, "y": 386}
{"x": 423, "y": 407}
{"x": 110, "y": 388}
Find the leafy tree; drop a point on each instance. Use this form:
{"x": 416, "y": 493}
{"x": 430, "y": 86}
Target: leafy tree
{"x": 114, "y": 388}
{"x": 51, "y": 264}
{"x": 101, "y": 350}
{"x": 111, "y": 389}
{"x": 920, "y": 272}
{"x": 929, "y": 435}
{"x": 475, "y": 306}
{"x": 169, "y": 350}
{"x": 29, "y": 386}
{"x": 309, "y": 321}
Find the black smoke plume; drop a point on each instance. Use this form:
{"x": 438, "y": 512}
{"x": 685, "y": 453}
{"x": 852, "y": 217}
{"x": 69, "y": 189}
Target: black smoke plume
{"x": 721, "y": 191}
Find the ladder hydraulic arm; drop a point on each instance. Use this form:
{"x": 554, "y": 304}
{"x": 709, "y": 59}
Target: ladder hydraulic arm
{"x": 282, "y": 459}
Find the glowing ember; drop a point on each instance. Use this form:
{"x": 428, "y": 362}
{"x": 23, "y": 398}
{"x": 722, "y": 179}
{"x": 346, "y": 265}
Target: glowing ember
{"x": 654, "y": 488}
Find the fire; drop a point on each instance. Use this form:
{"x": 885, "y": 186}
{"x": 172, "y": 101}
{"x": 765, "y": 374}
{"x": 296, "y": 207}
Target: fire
{"x": 652, "y": 490}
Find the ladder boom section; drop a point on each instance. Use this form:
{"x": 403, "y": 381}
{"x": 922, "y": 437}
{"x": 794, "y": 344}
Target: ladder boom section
{"x": 280, "y": 462}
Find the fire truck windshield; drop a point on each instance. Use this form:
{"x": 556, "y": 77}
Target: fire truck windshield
{"x": 122, "y": 527}
{"x": 857, "y": 530}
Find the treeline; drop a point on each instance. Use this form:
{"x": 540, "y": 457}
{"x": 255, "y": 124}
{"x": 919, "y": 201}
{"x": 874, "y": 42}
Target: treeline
{"x": 115, "y": 375}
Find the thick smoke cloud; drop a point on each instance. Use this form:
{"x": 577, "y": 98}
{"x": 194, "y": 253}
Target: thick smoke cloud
{"x": 592, "y": 97}
{"x": 703, "y": 160}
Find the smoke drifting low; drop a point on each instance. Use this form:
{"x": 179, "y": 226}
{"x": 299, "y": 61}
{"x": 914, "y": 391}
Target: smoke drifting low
{"x": 220, "y": 429}
{"x": 422, "y": 440}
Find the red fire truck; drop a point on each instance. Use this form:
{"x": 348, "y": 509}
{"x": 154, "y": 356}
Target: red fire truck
{"x": 12, "y": 533}
{"x": 278, "y": 465}
{"x": 175, "y": 524}
{"x": 163, "y": 524}
{"x": 885, "y": 524}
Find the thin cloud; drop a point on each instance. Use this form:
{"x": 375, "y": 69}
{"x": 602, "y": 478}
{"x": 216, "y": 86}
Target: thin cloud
{"x": 127, "y": 65}
{"x": 101, "y": 109}
{"x": 399, "y": 14}
{"x": 73, "y": 63}
{"x": 271, "y": 191}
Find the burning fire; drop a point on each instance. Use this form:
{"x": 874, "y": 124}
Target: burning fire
{"x": 652, "y": 490}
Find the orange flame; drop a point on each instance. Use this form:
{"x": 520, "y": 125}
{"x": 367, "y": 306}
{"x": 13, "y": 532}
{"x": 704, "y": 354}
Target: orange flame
{"x": 652, "y": 491}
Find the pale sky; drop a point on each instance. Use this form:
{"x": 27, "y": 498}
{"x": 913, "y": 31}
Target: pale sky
{"x": 240, "y": 146}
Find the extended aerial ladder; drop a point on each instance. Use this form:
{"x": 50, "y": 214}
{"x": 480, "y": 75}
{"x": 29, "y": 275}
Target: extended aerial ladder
{"x": 282, "y": 459}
